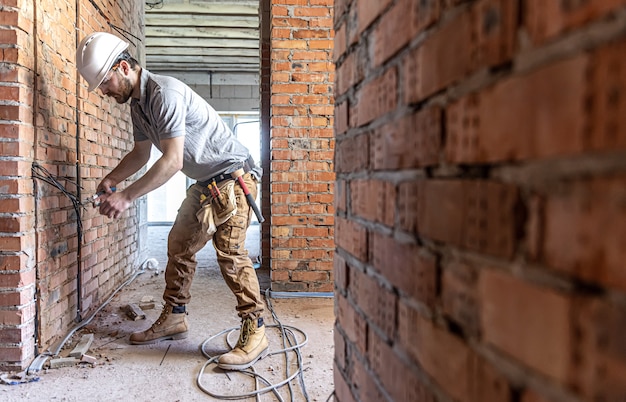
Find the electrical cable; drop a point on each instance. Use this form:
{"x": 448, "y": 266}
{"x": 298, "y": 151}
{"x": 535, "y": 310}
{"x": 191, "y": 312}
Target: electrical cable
{"x": 154, "y": 5}
{"x": 291, "y": 343}
{"x": 120, "y": 30}
{"x": 41, "y": 173}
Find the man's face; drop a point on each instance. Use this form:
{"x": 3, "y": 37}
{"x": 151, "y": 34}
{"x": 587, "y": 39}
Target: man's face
{"x": 116, "y": 85}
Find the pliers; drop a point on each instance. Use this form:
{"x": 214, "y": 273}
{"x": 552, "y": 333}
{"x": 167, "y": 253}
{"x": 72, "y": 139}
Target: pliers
{"x": 93, "y": 199}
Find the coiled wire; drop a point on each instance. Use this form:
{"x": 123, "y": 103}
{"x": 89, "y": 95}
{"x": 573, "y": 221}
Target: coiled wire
{"x": 291, "y": 343}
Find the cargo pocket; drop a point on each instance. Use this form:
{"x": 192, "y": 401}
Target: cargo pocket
{"x": 231, "y": 235}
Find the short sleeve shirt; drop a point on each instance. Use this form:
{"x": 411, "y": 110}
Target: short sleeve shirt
{"x": 168, "y": 108}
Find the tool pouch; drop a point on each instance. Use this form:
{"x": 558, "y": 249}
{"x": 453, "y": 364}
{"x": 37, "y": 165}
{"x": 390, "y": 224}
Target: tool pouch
{"x": 225, "y": 205}
{"x": 217, "y": 210}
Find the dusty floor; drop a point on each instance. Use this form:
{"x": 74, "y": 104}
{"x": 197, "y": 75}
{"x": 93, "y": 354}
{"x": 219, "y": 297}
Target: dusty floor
{"x": 171, "y": 370}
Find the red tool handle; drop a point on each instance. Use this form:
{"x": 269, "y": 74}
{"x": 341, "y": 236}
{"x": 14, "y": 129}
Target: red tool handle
{"x": 250, "y": 200}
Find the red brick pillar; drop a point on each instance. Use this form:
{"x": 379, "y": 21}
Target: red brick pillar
{"x": 301, "y": 145}
{"x": 480, "y": 200}
{"x": 17, "y": 235}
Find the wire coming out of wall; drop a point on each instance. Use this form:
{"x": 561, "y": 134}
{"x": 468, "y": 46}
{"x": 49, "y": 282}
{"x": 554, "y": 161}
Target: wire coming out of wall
{"x": 114, "y": 27}
{"x": 154, "y": 4}
{"x": 41, "y": 173}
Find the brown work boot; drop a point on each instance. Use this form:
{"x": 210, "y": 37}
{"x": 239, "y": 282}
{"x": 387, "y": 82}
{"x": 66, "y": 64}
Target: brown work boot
{"x": 252, "y": 346}
{"x": 169, "y": 325}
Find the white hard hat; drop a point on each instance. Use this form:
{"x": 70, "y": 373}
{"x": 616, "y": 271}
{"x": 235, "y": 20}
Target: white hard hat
{"x": 95, "y": 56}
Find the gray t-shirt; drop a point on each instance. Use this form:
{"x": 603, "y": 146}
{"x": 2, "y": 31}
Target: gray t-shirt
{"x": 168, "y": 108}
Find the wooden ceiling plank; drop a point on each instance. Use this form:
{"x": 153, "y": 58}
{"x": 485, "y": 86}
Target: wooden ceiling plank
{"x": 193, "y": 20}
{"x": 200, "y": 32}
{"x": 201, "y": 43}
{"x": 203, "y": 59}
{"x": 195, "y": 51}
{"x": 251, "y": 8}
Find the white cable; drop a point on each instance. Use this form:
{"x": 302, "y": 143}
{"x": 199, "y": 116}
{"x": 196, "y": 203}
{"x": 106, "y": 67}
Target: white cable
{"x": 288, "y": 337}
{"x": 270, "y": 387}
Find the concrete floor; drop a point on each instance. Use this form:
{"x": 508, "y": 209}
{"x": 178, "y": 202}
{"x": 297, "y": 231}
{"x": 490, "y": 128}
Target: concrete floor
{"x": 178, "y": 370}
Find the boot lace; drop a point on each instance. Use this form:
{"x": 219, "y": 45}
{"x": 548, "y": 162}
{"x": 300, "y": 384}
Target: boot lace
{"x": 162, "y": 317}
{"x": 247, "y": 328}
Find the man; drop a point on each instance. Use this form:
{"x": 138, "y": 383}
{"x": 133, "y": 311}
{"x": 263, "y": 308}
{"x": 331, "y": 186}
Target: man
{"x": 193, "y": 139}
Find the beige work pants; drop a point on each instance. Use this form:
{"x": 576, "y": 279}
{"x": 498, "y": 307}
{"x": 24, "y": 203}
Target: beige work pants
{"x": 187, "y": 238}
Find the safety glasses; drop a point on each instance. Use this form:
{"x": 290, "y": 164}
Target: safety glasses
{"x": 107, "y": 78}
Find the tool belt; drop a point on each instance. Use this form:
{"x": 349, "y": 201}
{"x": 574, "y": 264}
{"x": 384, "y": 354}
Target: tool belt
{"x": 248, "y": 165}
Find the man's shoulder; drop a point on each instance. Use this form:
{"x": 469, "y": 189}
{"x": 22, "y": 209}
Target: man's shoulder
{"x": 164, "y": 82}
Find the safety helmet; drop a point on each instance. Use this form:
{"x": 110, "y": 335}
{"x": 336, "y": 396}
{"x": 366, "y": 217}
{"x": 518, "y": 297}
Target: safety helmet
{"x": 95, "y": 56}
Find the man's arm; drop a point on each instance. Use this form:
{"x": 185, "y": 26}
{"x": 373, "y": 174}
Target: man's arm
{"x": 129, "y": 165}
{"x": 113, "y": 204}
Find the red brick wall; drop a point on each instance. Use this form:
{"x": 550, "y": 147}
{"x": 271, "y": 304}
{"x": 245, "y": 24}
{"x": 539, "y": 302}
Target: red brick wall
{"x": 480, "y": 194}
{"x": 50, "y": 121}
{"x": 299, "y": 86}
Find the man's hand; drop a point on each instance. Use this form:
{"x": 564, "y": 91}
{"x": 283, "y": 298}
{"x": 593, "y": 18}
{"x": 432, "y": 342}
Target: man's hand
{"x": 106, "y": 186}
{"x": 113, "y": 204}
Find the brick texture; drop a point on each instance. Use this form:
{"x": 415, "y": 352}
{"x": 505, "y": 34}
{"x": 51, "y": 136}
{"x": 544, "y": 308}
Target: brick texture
{"x": 301, "y": 121}
{"x": 479, "y": 218}
{"x": 44, "y": 252}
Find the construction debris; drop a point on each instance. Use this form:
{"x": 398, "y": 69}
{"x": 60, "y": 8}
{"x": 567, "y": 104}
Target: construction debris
{"x": 134, "y": 312}
{"x": 146, "y": 306}
{"x": 82, "y": 347}
{"x": 89, "y": 359}
{"x": 18, "y": 378}
{"x": 63, "y": 362}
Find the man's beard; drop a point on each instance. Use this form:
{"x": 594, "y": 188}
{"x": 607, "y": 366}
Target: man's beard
{"x": 126, "y": 90}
